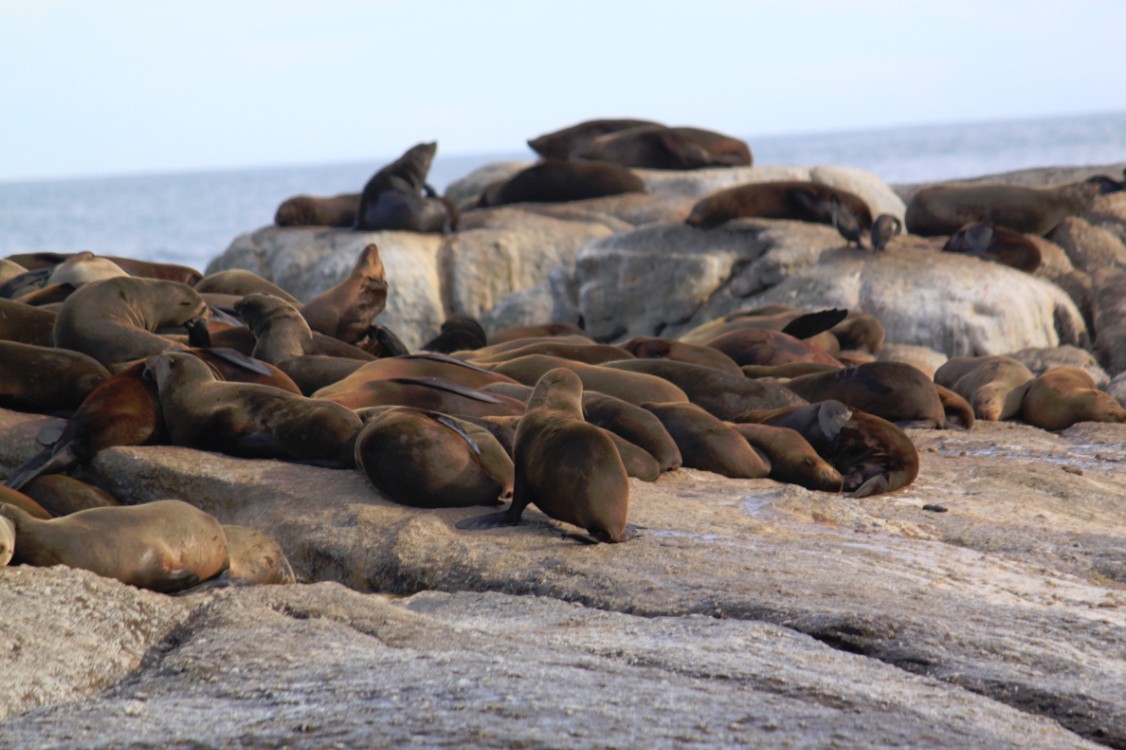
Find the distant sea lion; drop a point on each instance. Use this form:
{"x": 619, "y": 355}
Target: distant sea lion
{"x": 561, "y": 144}
{"x": 431, "y": 460}
{"x": 660, "y": 147}
{"x": 995, "y": 386}
{"x": 1065, "y": 395}
{"x": 255, "y": 558}
{"x": 394, "y": 210}
{"x": 568, "y": 468}
{"x": 345, "y": 310}
{"x": 245, "y": 419}
{"x": 240, "y": 282}
{"x": 166, "y": 545}
{"x": 45, "y": 379}
{"x": 707, "y": 444}
{"x": 634, "y": 387}
{"x": 884, "y": 228}
{"x": 555, "y": 181}
{"x": 793, "y": 199}
{"x": 792, "y": 459}
{"x": 457, "y": 333}
{"x": 313, "y": 211}
{"x": 407, "y": 174}
{"x": 61, "y": 495}
{"x": 860, "y": 331}
{"x": 997, "y": 244}
{"x": 944, "y": 209}
{"x": 114, "y": 320}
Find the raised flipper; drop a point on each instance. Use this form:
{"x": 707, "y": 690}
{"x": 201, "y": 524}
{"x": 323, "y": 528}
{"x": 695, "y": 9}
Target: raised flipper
{"x": 198, "y": 335}
{"x": 811, "y": 324}
{"x": 873, "y": 486}
{"x": 54, "y": 460}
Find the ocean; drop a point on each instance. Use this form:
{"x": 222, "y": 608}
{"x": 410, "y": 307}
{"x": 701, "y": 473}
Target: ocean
{"x": 190, "y": 218}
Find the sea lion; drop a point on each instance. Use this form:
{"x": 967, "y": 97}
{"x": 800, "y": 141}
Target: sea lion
{"x": 407, "y": 174}
{"x": 9, "y": 269}
{"x": 706, "y": 443}
{"x": 314, "y": 211}
{"x": 345, "y": 310}
{"x": 1063, "y": 396}
{"x": 793, "y": 199}
{"x": 762, "y": 346}
{"x": 892, "y": 390}
{"x": 660, "y": 147}
{"x": 23, "y": 501}
{"x": 534, "y": 331}
{"x": 792, "y": 459}
{"x": 114, "y": 320}
{"x": 26, "y": 324}
{"x": 143, "y": 268}
{"x": 995, "y": 386}
{"x": 845, "y": 221}
{"x": 561, "y": 144}
{"x": 651, "y": 347}
{"x": 245, "y": 419}
{"x": 255, "y": 558}
{"x": 944, "y": 209}
{"x": 61, "y": 495}
{"x": 860, "y": 331}
{"x": 240, "y": 282}
{"x": 634, "y": 387}
{"x": 431, "y": 460}
{"x": 429, "y": 393}
{"x": 7, "y": 540}
{"x": 587, "y": 352}
{"x": 494, "y": 350}
{"x": 568, "y": 468}
{"x": 555, "y": 181}
{"x": 457, "y": 333}
{"x": 394, "y": 210}
{"x": 44, "y": 379}
{"x": 995, "y": 243}
{"x": 84, "y": 267}
{"x": 884, "y": 228}
{"x": 165, "y": 545}
{"x": 415, "y": 366}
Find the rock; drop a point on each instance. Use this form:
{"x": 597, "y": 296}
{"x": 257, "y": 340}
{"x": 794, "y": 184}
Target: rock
{"x": 1033, "y": 177}
{"x": 924, "y": 358}
{"x": 463, "y": 193}
{"x": 1110, "y": 318}
{"x": 1117, "y": 387}
{"x": 1042, "y": 360}
{"x": 1089, "y": 247}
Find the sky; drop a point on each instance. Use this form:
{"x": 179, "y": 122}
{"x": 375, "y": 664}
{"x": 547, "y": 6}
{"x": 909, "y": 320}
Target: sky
{"x": 125, "y": 87}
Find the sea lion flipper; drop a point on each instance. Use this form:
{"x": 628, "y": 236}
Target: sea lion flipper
{"x": 198, "y": 335}
{"x": 54, "y": 460}
{"x": 221, "y": 581}
{"x": 811, "y": 324}
{"x": 49, "y": 434}
{"x": 873, "y": 486}
{"x": 236, "y": 357}
{"x": 450, "y": 386}
{"x": 454, "y": 425}
{"x": 389, "y": 343}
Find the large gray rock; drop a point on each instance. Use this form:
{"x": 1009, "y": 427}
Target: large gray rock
{"x": 1032, "y": 177}
{"x": 1110, "y": 318}
{"x": 1089, "y": 247}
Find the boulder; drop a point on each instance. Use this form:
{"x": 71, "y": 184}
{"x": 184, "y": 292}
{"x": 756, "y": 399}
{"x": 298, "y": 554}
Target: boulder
{"x": 1089, "y": 247}
{"x": 1042, "y": 360}
{"x": 1110, "y": 318}
{"x": 924, "y": 358}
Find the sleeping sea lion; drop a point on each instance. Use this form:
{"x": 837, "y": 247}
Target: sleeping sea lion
{"x": 1065, "y": 395}
{"x": 660, "y": 147}
{"x": 345, "y": 310}
{"x": 562, "y": 144}
{"x": 794, "y": 199}
{"x": 46, "y": 379}
{"x": 313, "y": 211}
{"x": 706, "y": 443}
{"x": 555, "y": 181}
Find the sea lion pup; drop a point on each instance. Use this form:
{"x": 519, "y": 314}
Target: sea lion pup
{"x": 534, "y": 331}
{"x": 314, "y": 211}
{"x": 165, "y": 545}
{"x": 555, "y": 181}
{"x": 45, "y": 380}
{"x": 884, "y": 228}
{"x": 431, "y": 460}
{"x": 345, "y": 310}
{"x": 792, "y": 199}
{"x": 255, "y": 558}
{"x": 651, "y": 347}
{"x": 394, "y": 210}
{"x": 561, "y": 144}
{"x": 792, "y": 459}
{"x": 660, "y": 147}
{"x": 634, "y": 387}
{"x": 407, "y": 174}
{"x": 995, "y": 386}
{"x": 244, "y": 419}
{"x": 721, "y": 394}
{"x": 457, "y": 333}
{"x": 997, "y": 244}
{"x": 944, "y": 209}
{"x": 568, "y": 468}
{"x": 240, "y": 282}
{"x": 61, "y": 495}
{"x": 706, "y": 443}
{"x": 114, "y": 320}
{"x": 762, "y": 346}
{"x": 892, "y": 390}
{"x": 1065, "y": 395}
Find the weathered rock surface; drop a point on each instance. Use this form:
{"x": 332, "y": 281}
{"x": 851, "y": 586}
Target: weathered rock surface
{"x": 1110, "y": 318}
{"x": 1089, "y": 247}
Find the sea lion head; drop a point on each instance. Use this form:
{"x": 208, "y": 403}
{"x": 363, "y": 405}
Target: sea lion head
{"x": 295, "y": 212}
{"x": 558, "y": 390}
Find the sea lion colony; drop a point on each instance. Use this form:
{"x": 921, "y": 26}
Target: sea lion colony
{"x": 136, "y": 353}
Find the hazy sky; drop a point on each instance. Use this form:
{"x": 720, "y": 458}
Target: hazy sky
{"x": 116, "y": 86}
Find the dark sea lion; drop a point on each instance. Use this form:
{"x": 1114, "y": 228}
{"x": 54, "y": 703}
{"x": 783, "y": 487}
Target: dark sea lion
{"x": 245, "y": 419}
{"x": 394, "y": 210}
{"x": 23, "y": 501}
{"x": 792, "y": 459}
{"x": 651, "y": 347}
{"x": 762, "y": 346}
{"x": 61, "y": 495}
{"x": 314, "y": 211}
{"x": 240, "y": 282}
{"x": 944, "y": 209}
{"x": 114, "y": 320}
{"x": 790, "y": 370}
{"x": 884, "y": 228}
{"x": 432, "y": 460}
{"x": 534, "y": 331}
{"x": 255, "y": 558}
{"x": 794, "y": 199}
{"x": 26, "y": 324}
{"x": 458, "y": 333}
{"x": 660, "y": 147}
{"x": 585, "y": 351}
{"x": 428, "y": 393}
{"x": 1063, "y": 396}
{"x": 345, "y": 310}
{"x": 706, "y": 443}
{"x": 725, "y": 396}
{"x": 166, "y": 545}
{"x": 860, "y": 331}
{"x": 845, "y": 221}
{"x": 353, "y": 387}
{"x": 892, "y": 390}
{"x": 407, "y": 174}
{"x": 634, "y": 387}
{"x": 561, "y": 144}
{"x": 44, "y": 379}
{"x": 997, "y": 244}
{"x": 555, "y": 181}
{"x": 995, "y": 386}
{"x": 571, "y": 470}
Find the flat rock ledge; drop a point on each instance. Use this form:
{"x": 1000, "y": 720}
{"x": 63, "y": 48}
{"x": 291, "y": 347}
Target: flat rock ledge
{"x": 747, "y": 612}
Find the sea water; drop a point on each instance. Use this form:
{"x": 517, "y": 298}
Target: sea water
{"x": 190, "y": 218}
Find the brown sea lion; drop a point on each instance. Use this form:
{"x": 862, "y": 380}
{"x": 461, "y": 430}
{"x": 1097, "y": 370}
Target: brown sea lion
{"x": 651, "y": 347}
{"x": 789, "y": 370}
{"x": 762, "y": 346}
{"x": 457, "y": 333}
{"x": 407, "y": 174}
{"x": 7, "y": 540}
{"x": 44, "y": 379}
{"x": 49, "y": 296}
{"x": 429, "y": 393}
{"x": 61, "y": 495}
{"x": 166, "y": 545}
{"x": 84, "y": 267}
{"x": 706, "y": 443}
{"x": 995, "y": 243}
{"x": 240, "y": 282}
{"x": 26, "y": 324}
{"x": 423, "y": 365}
{"x": 955, "y": 406}
{"x": 314, "y": 211}
{"x": 794, "y": 199}
{"x": 571, "y": 470}
{"x": 431, "y": 460}
{"x": 9, "y": 269}
{"x": 255, "y": 558}
{"x": 634, "y": 387}
{"x": 892, "y": 390}
{"x": 660, "y": 147}
{"x": 114, "y": 320}
{"x": 561, "y": 144}
{"x": 555, "y": 181}
{"x": 1065, "y": 395}
{"x": 394, "y": 210}
{"x": 23, "y": 501}
{"x": 995, "y": 386}
{"x": 810, "y": 327}
{"x": 884, "y": 228}
{"x": 587, "y": 352}
{"x": 792, "y": 459}
{"x": 944, "y": 209}
{"x": 493, "y": 350}
{"x": 345, "y": 310}
{"x": 534, "y": 331}
{"x": 860, "y": 331}
{"x": 245, "y": 419}
{"x": 142, "y": 268}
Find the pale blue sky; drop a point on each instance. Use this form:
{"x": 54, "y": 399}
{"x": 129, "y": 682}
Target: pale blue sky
{"x": 120, "y": 86}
